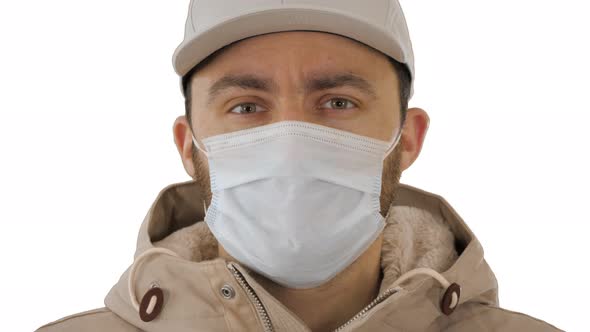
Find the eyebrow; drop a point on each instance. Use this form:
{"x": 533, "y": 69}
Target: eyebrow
{"x": 315, "y": 83}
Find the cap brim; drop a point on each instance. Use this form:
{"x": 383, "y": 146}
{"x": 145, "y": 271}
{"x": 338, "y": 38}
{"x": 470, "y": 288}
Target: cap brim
{"x": 192, "y": 51}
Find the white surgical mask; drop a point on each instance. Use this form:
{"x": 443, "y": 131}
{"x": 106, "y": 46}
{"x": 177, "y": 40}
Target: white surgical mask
{"x": 294, "y": 201}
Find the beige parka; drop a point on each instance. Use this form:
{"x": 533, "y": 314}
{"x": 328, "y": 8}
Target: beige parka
{"x": 431, "y": 262}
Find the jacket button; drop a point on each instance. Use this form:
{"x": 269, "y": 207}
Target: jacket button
{"x": 451, "y": 299}
{"x": 228, "y": 292}
{"x": 151, "y": 304}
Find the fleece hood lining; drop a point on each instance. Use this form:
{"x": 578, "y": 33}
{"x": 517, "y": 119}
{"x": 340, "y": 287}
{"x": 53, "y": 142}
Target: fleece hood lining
{"x": 423, "y": 232}
{"x": 412, "y": 238}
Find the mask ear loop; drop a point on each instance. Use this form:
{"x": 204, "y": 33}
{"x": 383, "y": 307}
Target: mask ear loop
{"x": 395, "y": 141}
{"x": 391, "y": 148}
{"x": 196, "y": 143}
{"x": 199, "y": 147}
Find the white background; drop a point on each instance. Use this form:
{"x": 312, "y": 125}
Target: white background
{"x": 88, "y": 97}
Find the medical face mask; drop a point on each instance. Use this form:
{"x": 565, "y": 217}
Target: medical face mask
{"x": 295, "y": 201}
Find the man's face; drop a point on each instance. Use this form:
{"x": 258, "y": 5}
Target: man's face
{"x": 306, "y": 76}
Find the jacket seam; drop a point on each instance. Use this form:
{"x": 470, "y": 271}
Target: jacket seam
{"x": 81, "y": 314}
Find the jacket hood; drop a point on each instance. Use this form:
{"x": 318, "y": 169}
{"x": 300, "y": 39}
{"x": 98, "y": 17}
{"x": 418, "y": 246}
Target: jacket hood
{"x": 426, "y": 248}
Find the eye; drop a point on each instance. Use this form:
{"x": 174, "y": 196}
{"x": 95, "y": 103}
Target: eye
{"x": 247, "y": 108}
{"x": 251, "y": 108}
{"x": 339, "y": 103}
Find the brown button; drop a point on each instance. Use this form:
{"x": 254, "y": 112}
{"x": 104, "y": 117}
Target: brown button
{"x": 447, "y": 304}
{"x": 151, "y": 304}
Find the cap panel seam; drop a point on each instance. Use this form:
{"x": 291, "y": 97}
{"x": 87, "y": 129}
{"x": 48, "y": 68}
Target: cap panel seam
{"x": 190, "y": 15}
{"x": 388, "y": 19}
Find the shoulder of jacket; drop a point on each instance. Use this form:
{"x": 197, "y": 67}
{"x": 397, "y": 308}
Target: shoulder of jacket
{"x": 100, "y": 319}
{"x": 481, "y": 317}
{"x": 526, "y": 319}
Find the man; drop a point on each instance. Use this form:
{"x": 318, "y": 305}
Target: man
{"x": 296, "y": 134}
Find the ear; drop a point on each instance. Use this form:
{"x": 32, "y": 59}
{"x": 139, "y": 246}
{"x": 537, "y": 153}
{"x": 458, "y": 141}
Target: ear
{"x": 413, "y": 134}
{"x": 184, "y": 143}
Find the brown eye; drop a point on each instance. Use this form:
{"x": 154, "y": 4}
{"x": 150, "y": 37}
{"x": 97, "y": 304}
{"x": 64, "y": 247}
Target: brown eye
{"x": 340, "y": 103}
{"x": 246, "y": 108}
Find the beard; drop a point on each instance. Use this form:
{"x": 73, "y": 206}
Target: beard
{"x": 390, "y": 177}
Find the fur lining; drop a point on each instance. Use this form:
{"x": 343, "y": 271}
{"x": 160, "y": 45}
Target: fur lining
{"x": 415, "y": 238}
{"x": 412, "y": 238}
{"x": 195, "y": 242}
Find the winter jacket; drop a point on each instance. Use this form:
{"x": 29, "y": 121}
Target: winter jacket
{"x": 435, "y": 278}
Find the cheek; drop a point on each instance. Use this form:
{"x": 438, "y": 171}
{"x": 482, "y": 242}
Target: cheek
{"x": 206, "y": 124}
{"x": 377, "y": 123}
{"x": 389, "y": 120}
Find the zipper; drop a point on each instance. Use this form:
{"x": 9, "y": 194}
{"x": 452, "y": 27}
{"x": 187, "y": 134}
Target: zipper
{"x": 370, "y": 306}
{"x": 262, "y": 313}
{"x": 265, "y": 318}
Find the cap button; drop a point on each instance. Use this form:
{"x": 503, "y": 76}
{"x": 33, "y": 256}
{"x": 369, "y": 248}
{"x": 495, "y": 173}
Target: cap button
{"x": 451, "y": 299}
{"x": 151, "y": 304}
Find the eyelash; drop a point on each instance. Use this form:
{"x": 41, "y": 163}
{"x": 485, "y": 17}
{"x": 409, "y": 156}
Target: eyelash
{"x": 329, "y": 100}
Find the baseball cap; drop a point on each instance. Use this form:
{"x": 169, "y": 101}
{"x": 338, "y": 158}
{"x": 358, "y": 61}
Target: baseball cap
{"x": 213, "y": 24}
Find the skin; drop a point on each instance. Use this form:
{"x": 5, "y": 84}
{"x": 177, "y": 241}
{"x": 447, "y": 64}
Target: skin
{"x": 288, "y": 58}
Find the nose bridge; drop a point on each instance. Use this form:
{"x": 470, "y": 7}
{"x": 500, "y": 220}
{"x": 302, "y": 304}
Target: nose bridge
{"x": 291, "y": 111}
{"x": 292, "y": 102}
{"x": 292, "y": 107}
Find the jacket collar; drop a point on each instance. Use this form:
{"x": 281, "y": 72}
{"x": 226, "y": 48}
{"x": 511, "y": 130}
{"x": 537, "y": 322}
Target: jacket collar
{"x": 422, "y": 230}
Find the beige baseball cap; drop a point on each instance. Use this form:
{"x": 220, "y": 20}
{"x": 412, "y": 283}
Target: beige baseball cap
{"x": 213, "y": 24}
